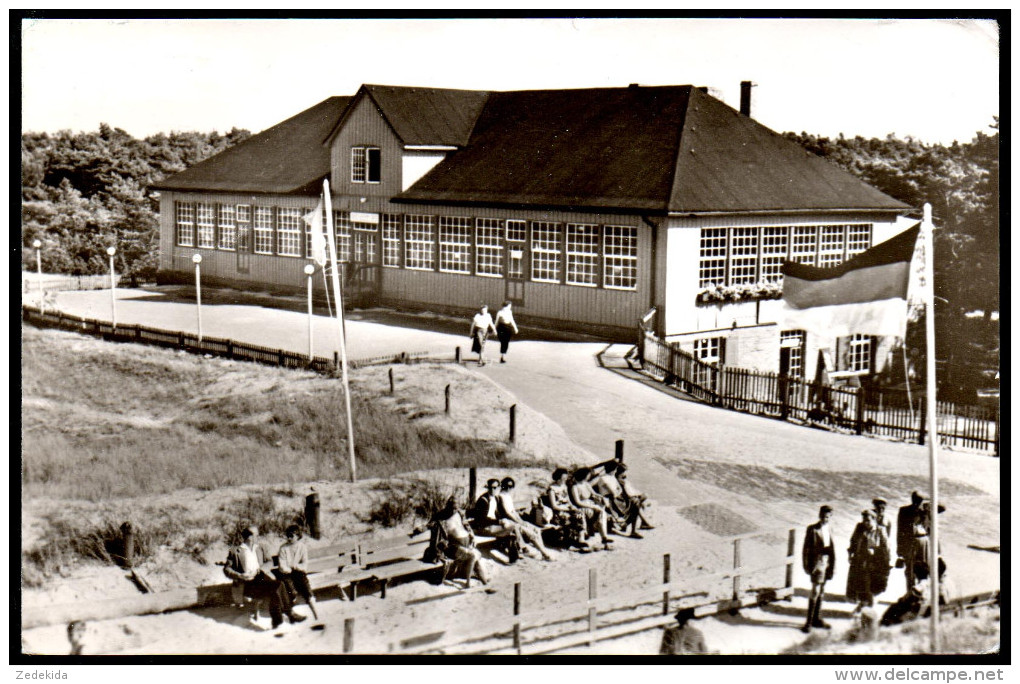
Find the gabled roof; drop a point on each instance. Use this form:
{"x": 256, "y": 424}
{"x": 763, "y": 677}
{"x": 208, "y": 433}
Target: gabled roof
{"x": 288, "y": 158}
{"x": 605, "y": 147}
{"x": 655, "y": 149}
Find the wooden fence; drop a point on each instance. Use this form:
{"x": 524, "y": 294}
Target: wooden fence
{"x": 189, "y": 342}
{"x": 882, "y": 412}
{"x": 32, "y": 282}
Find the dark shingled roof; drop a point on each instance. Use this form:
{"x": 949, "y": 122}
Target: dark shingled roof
{"x": 671, "y": 148}
{"x": 429, "y": 116}
{"x": 288, "y": 158}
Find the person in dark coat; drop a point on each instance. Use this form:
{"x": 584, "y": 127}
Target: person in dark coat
{"x": 684, "y": 638}
{"x": 868, "y": 555}
{"x": 906, "y": 536}
{"x": 819, "y": 560}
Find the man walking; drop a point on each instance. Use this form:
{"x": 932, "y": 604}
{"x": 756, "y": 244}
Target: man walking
{"x": 906, "y": 536}
{"x": 819, "y": 560}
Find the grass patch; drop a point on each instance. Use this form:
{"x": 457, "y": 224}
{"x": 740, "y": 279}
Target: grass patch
{"x": 402, "y": 500}
{"x": 104, "y": 420}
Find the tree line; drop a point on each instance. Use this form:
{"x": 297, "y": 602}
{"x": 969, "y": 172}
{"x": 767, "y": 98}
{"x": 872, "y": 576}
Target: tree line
{"x": 83, "y": 192}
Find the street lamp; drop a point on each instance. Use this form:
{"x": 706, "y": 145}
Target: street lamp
{"x": 309, "y": 271}
{"x": 38, "y": 267}
{"x": 198, "y": 292}
{"x": 113, "y": 288}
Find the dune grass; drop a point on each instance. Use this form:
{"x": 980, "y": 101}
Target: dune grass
{"x": 102, "y": 420}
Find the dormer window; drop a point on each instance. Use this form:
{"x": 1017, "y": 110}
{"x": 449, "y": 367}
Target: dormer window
{"x": 365, "y": 164}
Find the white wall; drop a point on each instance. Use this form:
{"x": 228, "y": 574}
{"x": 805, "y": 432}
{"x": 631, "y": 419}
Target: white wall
{"x": 416, "y": 163}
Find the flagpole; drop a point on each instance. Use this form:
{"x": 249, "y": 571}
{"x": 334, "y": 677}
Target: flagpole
{"x": 340, "y": 319}
{"x": 927, "y": 231}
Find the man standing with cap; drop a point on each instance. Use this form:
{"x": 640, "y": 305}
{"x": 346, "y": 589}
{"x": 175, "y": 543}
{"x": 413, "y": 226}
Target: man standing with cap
{"x": 880, "y": 521}
{"x": 819, "y": 560}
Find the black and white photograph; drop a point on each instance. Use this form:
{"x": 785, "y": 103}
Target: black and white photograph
{"x": 509, "y": 340}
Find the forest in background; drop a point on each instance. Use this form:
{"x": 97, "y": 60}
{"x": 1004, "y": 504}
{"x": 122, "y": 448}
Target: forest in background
{"x": 82, "y": 192}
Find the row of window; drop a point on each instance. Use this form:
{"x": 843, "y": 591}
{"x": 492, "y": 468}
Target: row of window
{"x": 712, "y": 350}
{"x": 747, "y": 255}
{"x": 582, "y": 254}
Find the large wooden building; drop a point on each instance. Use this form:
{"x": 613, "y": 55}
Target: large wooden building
{"x": 591, "y": 209}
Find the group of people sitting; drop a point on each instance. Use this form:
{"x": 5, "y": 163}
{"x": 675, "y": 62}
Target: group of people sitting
{"x": 280, "y": 584}
{"x": 574, "y": 508}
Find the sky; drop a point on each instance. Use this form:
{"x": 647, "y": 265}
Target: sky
{"x": 935, "y": 80}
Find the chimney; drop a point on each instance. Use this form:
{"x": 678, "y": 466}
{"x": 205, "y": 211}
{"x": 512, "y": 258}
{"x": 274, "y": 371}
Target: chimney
{"x": 745, "y": 97}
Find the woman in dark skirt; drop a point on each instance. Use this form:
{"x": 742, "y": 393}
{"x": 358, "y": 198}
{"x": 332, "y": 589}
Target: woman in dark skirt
{"x": 506, "y": 328}
{"x": 868, "y": 575}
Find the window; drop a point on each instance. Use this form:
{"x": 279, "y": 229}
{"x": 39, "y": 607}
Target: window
{"x": 859, "y": 353}
{"x": 620, "y": 271}
{"x": 582, "y": 254}
{"x": 342, "y": 231}
{"x": 858, "y": 239}
{"x": 263, "y": 230}
{"x": 228, "y": 231}
{"x": 712, "y": 266}
{"x": 185, "y": 225}
{"x": 206, "y": 226}
{"x": 455, "y": 244}
{"x": 308, "y": 230}
{"x": 831, "y": 242}
{"x": 804, "y": 245}
{"x": 792, "y": 341}
{"x": 489, "y": 250}
{"x": 365, "y": 164}
{"x": 516, "y": 231}
{"x": 774, "y": 241}
{"x": 545, "y": 252}
{"x": 743, "y": 256}
{"x": 391, "y": 240}
{"x": 288, "y": 231}
{"x": 419, "y": 242}
{"x": 710, "y": 349}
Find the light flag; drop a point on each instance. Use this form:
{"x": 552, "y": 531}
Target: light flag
{"x": 865, "y": 295}
{"x": 314, "y": 221}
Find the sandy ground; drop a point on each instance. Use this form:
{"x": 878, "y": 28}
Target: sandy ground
{"x": 712, "y": 473}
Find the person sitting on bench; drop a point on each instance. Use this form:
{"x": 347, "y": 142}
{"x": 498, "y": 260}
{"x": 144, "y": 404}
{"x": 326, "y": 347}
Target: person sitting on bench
{"x": 293, "y": 568}
{"x": 589, "y": 503}
{"x": 247, "y": 565}
{"x": 507, "y": 512}
{"x": 452, "y": 538}
{"x": 625, "y": 514}
{"x": 633, "y": 496}
{"x": 485, "y": 520}
{"x": 565, "y": 515}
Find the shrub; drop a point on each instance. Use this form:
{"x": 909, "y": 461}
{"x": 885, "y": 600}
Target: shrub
{"x": 259, "y": 509}
{"x": 421, "y": 497}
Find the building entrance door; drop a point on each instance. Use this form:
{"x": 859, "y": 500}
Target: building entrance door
{"x": 515, "y": 279}
{"x": 364, "y": 265}
{"x": 243, "y": 238}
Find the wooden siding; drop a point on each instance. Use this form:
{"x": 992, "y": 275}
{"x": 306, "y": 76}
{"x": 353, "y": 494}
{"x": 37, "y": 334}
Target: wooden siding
{"x": 366, "y": 126}
{"x": 220, "y": 264}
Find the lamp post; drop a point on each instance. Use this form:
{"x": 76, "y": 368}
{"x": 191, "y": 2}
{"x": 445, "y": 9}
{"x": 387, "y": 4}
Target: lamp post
{"x": 198, "y": 291}
{"x": 113, "y": 288}
{"x": 38, "y": 267}
{"x": 309, "y": 271}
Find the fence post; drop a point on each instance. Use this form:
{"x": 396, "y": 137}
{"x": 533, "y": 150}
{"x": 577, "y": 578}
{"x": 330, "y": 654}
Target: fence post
{"x": 138, "y": 333}
{"x": 279, "y": 357}
{"x": 456, "y": 355}
{"x": 312, "y": 514}
{"x": 784, "y": 397}
{"x": 924, "y": 419}
{"x": 665, "y": 582}
{"x": 619, "y": 450}
{"x": 472, "y": 485}
{"x": 391, "y": 380}
{"x": 230, "y": 349}
{"x": 517, "y": 612}
{"x": 128, "y": 535}
{"x": 592, "y": 609}
{"x": 861, "y": 395}
{"x": 180, "y": 340}
{"x": 736, "y": 576}
{"x": 348, "y": 634}
{"x": 791, "y": 545}
{"x": 513, "y": 423}
{"x": 446, "y": 396}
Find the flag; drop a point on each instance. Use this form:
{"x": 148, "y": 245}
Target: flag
{"x": 314, "y": 220}
{"x": 864, "y": 295}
